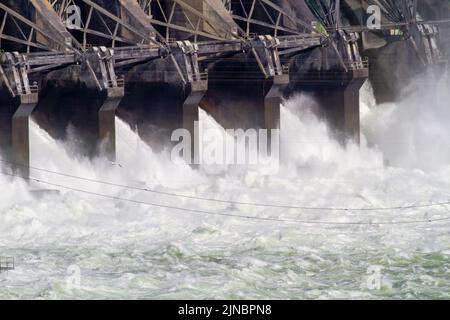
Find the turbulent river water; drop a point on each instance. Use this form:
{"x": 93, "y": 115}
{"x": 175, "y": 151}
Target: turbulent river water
{"x": 79, "y": 245}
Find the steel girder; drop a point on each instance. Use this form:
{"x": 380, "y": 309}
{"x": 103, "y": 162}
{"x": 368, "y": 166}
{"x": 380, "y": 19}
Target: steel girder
{"x": 114, "y": 25}
{"x": 130, "y": 28}
{"x": 193, "y": 20}
{"x": 16, "y": 29}
{"x": 266, "y": 15}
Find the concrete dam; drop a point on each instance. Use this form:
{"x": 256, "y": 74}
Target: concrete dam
{"x": 153, "y": 63}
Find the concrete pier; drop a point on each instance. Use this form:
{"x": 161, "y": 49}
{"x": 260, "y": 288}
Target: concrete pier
{"x": 161, "y": 97}
{"x": 405, "y": 47}
{"x": 14, "y": 131}
{"x": 321, "y": 75}
{"x": 6, "y": 264}
{"x": 339, "y": 103}
{"x": 87, "y": 114}
{"x": 191, "y": 117}
{"x": 239, "y": 96}
{"x": 154, "y": 65}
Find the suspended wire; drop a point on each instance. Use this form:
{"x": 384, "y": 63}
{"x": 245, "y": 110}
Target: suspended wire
{"x": 222, "y": 201}
{"x": 230, "y": 215}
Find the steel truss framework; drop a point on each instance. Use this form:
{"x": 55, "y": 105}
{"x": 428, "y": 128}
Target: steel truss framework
{"x": 275, "y": 18}
{"x": 115, "y": 34}
{"x": 132, "y": 32}
{"x": 111, "y": 27}
{"x": 138, "y": 43}
{"x": 136, "y": 31}
{"x": 125, "y": 33}
{"x": 326, "y": 11}
{"x": 397, "y": 11}
{"x": 403, "y": 19}
{"x": 179, "y": 16}
{"x": 24, "y": 32}
{"x": 145, "y": 29}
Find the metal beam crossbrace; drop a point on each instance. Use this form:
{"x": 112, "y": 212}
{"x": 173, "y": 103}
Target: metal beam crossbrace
{"x": 267, "y": 15}
{"x": 190, "y": 20}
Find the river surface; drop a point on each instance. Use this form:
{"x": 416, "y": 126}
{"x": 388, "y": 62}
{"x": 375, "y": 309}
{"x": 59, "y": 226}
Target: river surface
{"x": 75, "y": 245}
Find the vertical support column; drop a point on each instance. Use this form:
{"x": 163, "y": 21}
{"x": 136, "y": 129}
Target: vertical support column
{"x": 273, "y": 100}
{"x": 20, "y": 136}
{"x": 107, "y": 123}
{"x": 351, "y": 111}
{"x": 90, "y": 113}
{"x": 264, "y": 49}
{"x": 99, "y": 64}
{"x": 191, "y": 117}
{"x": 339, "y": 104}
{"x": 272, "y": 107}
{"x": 20, "y": 102}
{"x": 185, "y": 61}
{"x": 15, "y": 134}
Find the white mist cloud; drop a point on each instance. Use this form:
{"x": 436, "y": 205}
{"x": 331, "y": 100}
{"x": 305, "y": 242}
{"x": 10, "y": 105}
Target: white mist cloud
{"x": 414, "y": 132}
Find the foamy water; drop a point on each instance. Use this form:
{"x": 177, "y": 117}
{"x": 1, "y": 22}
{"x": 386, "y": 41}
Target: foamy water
{"x": 134, "y": 250}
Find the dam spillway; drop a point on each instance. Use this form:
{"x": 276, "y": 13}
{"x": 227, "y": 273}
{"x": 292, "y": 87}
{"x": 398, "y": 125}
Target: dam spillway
{"x": 81, "y": 63}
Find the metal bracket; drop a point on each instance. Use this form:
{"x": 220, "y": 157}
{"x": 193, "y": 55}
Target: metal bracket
{"x": 6, "y": 264}
{"x": 100, "y": 64}
{"x": 185, "y": 58}
{"x": 430, "y": 35}
{"x": 14, "y": 74}
{"x": 265, "y": 51}
{"x": 352, "y": 49}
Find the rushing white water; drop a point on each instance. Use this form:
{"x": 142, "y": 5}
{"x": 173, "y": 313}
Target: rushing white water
{"x": 414, "y": 133}
{"x": 135, "y": 250}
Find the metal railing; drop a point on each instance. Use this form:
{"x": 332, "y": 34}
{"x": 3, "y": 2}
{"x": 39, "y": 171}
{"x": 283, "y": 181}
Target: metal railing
{"x": 6, "y": 263}
{"x": 200, "y": 77}
{"x": 34, "y": 88}
{"x": 119, "y": 81}
{"x": 350, "y": 64}
{"x": 363, "y": 64}
{"x": 252, "y": 35}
